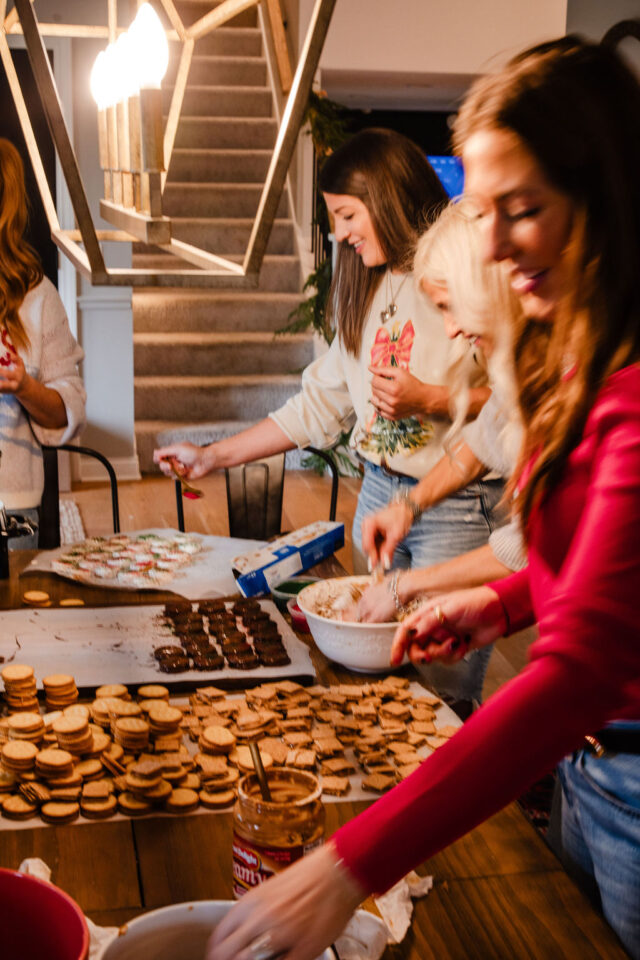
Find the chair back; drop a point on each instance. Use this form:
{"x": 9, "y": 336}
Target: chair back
{"x": 254, "y": 498}
{"x": 49, "y": 519}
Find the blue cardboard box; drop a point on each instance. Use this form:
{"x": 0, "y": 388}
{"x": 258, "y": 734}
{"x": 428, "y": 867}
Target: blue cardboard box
{"x": 270, "y": 565}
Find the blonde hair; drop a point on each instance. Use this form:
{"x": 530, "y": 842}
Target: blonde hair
{"x": 450, "y": 255}
{"x": 20, "y": 267}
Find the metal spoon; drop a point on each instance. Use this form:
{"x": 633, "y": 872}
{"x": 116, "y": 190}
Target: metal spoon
{"x": 192, "y": 493}
{"x": 259, "y": 768}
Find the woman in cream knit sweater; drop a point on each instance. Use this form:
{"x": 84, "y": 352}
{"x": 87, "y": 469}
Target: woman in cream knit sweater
{"x": 41, "y": 394}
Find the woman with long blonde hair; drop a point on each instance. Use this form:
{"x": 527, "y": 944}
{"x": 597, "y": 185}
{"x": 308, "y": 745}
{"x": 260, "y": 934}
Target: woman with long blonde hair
{"x": 476, "y": 304}
{"x": 41, "y": 395}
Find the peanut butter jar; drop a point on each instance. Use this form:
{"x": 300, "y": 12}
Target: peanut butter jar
{"x": 269, "y": 835}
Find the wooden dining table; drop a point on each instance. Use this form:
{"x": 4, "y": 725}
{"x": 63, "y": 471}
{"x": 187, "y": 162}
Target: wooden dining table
{"x": 499, "y": 893}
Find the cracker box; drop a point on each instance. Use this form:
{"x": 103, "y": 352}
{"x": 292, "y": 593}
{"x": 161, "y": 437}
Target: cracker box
{"x": 258, "y": 571}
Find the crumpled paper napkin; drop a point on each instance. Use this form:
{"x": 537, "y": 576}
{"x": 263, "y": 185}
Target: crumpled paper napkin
{"x": 366, "y": 936}
{"x": 100, "y": 937}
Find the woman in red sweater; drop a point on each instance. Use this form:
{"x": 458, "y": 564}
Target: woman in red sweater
{"x": 551, "y": 147}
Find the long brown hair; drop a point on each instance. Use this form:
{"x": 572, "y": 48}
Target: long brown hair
{"x": 576, "y": 107}
{"x": 395, "y": 181}
{"x": 20, "y": 267}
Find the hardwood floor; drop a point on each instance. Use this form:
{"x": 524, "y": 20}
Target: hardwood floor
{"x": 150, "y": 502}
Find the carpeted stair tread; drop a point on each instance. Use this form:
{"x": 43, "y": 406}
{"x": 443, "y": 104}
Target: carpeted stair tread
{"x": 217, "y": 199}
{"x": 177, "y": 309}
{"x": 211, "y": 398}
{"x": 214, "y": 70}
{"x": 205, "y": 163}
{"x": 231, "y": 235}
{"x": 231, "y": 41}
{"x": 223, "y": 101}
{"x": 210, "y": 354}
{"x": 278, "y": 273}
{"x": 226, "y": 133}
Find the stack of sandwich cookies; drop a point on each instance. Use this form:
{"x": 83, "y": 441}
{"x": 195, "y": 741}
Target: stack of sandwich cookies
{"x": 132, "y": 733}
{"x": 26, "y": 726}
{"x": 54, "y": 765}
{"x": 17, "y": 807}
{"x": 152, "y": 691}
{"x": 20, "y": 687}
{"x": 18, "y": 758}
{"x": 98, "y": 801}
{"x": 101, "y": 710}
{"x": 113, "y": 690}
{"x": 164, "y": 720}
{"x": 73, "y": 733}
{"x": 60, "y": 690}
{"x": 144, "y": 777}
{"x": 59, "y": 811}
{"x": 36, "y": 598}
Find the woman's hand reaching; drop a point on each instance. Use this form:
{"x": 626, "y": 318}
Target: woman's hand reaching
{"x": 294, "y": 915}
{"x": 383, "y": 531}
{"x": 376, "y": 605}
{"x": 14, "y": 378}
{"x": 190, "y": 462}
{"x": 446, "y": 627}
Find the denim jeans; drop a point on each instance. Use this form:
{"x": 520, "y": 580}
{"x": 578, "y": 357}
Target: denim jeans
{"x": 458, "y": 524}
{"x": 600, "y": 835}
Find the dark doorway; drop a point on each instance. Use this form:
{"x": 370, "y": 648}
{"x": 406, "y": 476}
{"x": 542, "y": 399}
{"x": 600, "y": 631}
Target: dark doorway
{"x": 38, "y": 233}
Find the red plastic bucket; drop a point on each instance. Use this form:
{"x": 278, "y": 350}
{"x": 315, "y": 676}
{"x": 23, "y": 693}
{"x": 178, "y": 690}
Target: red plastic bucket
{"x": 38, "y": 920}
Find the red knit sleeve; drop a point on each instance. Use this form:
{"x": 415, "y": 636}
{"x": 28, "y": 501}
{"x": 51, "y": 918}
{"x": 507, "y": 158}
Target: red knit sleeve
{"x": 515, "y": 597}
{"x": 584, "y": 670}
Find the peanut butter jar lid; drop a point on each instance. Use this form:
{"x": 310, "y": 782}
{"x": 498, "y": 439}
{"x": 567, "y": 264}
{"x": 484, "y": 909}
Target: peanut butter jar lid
{"x": 289, "y": 788}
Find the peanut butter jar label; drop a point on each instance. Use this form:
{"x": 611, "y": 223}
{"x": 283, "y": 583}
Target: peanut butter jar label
{"x": 253, "y": 863}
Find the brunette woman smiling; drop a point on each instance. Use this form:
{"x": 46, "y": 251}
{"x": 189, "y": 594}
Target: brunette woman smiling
{"x": 385, "y": 372}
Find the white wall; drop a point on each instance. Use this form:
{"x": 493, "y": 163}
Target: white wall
{"x": 436, "y": 36}
{"x": 416, "y": 54}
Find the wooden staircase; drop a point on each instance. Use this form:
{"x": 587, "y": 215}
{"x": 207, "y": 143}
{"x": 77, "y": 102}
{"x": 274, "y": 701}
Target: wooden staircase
{"x": 206, "y": 362}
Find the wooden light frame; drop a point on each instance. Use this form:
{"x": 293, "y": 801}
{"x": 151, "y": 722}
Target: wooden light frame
{"x": 83, "y": 245}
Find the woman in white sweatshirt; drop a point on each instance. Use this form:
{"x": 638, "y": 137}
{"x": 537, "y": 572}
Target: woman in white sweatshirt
{"x": 41, "y": 395}
{"x": 385, "y": 374}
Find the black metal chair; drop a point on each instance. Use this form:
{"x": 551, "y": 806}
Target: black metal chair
{"x": 49, "y": 522}
{"x": 254, "y": 496}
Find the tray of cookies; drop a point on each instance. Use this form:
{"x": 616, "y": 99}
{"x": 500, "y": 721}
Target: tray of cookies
{"x": 180, "y": 643}
{"x": 135, "y": 752}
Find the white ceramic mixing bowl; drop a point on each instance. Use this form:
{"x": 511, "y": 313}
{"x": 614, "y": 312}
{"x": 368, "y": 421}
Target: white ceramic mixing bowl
{"x": 363, "y": 647}
{"x": 178, "y": 932}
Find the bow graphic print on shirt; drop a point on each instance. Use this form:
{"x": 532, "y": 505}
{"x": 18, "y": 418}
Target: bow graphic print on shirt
{"x": 388, "y": 438}
{"x": 390, "y": 352}
{"x": 8, "y": 357}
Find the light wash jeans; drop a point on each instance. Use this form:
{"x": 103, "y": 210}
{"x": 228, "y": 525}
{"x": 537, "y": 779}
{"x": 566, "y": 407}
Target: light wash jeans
{"x": 600, "y": 835}
{"x": 456, "y": 525}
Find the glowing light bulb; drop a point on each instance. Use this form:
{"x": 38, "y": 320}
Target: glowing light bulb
{"x": 150, "y": 46}
{"x": 99, "y": 81}
{"x": 125, "y": 62}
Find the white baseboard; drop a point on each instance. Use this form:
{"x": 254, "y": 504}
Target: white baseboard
{"x": 126, "y": 468}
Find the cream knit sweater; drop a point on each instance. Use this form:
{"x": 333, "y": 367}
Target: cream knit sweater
{"x": 52, "y": 358}
{"x": 336, "y": 388}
